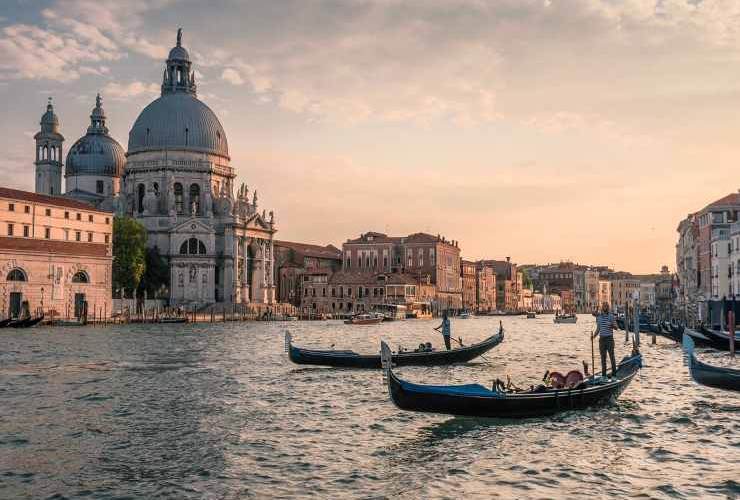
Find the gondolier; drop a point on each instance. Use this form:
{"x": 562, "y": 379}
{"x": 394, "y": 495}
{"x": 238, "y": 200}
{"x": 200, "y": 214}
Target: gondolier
{"x": 445, "y": 326}
{"x": 605, "y": 325}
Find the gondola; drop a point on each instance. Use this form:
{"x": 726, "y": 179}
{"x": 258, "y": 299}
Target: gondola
{"x": 351, "y": 359}
{"x": 717, "y": 339}
{"x": 474, "y": 400}
{"x": 25, "y": 322}
{"x": 711, "y": 376}
{"x": 5, "y": 322}
{"x": 175, "y": 319}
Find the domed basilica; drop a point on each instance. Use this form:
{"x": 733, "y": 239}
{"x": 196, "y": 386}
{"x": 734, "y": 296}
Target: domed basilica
{"x": 176, "y": 179}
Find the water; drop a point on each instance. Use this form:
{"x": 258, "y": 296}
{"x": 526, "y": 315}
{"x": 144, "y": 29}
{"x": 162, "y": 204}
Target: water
{"x": 217, "y": 411}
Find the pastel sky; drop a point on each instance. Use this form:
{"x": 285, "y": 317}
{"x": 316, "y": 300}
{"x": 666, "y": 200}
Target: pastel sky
{"x": 537, "y": 129}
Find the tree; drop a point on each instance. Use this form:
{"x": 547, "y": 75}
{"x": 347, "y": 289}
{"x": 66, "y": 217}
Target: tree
{"x": 129, "y": 253}
{"x": 156, "y": 274}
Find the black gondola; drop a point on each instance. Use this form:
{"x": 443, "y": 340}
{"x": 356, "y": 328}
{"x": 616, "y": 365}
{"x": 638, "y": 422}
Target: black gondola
{"x": 351, "y": 359}
{"x": 5, "y": 322}
{"x": 718, "y": 340}
{"x": 712, "y": 376}
{"x": 26, "y": 322}
{"x": 474, "y": 400}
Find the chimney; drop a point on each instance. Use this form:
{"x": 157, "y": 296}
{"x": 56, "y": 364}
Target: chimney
{"x": 508, "y": 259}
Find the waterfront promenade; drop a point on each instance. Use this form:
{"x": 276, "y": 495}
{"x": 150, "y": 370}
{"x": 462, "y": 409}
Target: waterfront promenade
{"x": 216, "y": 411}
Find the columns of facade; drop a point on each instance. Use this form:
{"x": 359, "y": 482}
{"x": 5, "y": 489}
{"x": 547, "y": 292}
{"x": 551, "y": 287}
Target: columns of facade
{"x": 245, "y": 277}
{"x": 228, "y": 263}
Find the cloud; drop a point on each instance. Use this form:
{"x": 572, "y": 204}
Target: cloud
{"x": 30, "y": 52}
{"x": 232, "y": 76}
{"x": 118, "y": 91}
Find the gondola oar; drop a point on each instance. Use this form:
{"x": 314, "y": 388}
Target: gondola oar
{"x": 593, "y": 357}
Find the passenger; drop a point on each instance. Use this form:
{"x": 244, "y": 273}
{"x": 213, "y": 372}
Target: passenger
{"x": 605, "y": 325}
{"x": 429, "y": 347}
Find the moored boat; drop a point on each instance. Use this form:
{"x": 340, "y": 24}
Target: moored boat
{"x": 351, "y": 359}
{"x": 719, "y": 339}
{"x": 26, "y": 322}
{"x": 709, "y": 375}
{"x": 365, "y": 319}
{"x": 477, "y": 401}
{"x": 173, "y": 319}
{"x": 5, "y": 322}
{"x": 464, "y": 315}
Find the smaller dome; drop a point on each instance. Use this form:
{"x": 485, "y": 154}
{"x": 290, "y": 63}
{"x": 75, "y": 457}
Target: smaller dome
{"x": 96, "y": 154}
{"x": 179, "y": 53}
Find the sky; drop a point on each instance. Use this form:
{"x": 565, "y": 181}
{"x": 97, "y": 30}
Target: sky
{"x": 543, "y": 130}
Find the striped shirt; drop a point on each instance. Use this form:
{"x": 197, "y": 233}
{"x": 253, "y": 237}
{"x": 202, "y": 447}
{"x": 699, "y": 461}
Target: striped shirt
{"x": 605, "y": 322}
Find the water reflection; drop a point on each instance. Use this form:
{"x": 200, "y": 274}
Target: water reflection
{"x": 199, "y": 411}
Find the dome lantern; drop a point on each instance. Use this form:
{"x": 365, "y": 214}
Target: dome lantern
{"x": 178, "y": 77}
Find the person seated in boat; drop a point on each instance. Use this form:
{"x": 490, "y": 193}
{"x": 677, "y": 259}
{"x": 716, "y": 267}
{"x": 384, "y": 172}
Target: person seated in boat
{"x": 446, "y": 331}
{"x": 429, "y": 347}
{"x": 605, "y": 325}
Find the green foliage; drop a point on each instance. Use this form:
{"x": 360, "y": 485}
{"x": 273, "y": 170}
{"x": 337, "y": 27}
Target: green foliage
{"x": 129, "y": 253}
{"x": 156, "y": 275}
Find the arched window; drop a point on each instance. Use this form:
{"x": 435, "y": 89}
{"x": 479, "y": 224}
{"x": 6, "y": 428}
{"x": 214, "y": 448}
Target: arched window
{"x": 140, "y": 197}
{"x": 80, "y": 277}
{"x": 178, "y": 197}
{"x": 193, "y": 246}
{"x": 46, "y": 153}
{"x": 195, "y": 198}
{"x": 16, "y": 275}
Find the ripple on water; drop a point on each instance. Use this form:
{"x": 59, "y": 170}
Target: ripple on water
{"x": 215, "y": 411}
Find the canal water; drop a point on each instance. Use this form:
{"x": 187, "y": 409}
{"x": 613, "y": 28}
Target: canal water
{"x": 217, "y": 411}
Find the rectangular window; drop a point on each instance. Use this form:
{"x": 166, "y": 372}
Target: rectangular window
{"x": 26, "y": 231}
{"x": 78, "y": 236}
{"x": 107, "y": 220}
{"x": 107, "y": 238}
{"x": 66, "y": 215}
{"x": 10, "y": 229}
{"x": 11, "y": 207}
{"x": 89, "y": 218}
{"x": 66, "y": 234}
{"x": 99, "y": 187}
{"x": 48, "y": 212}
{"x": 79, "y": 216}
{"x": 89, "y": 237}
{"x": 47, "y": 233}
{"x": 27, "y": 209}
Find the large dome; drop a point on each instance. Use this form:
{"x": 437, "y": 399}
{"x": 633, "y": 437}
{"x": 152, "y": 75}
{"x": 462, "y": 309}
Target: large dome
{"x": 96, "y": 154}
{"x": 178, "y": 121}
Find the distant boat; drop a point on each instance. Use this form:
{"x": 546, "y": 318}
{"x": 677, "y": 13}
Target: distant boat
{"x": 565, "y": 318}
{"x": 531, "y": 315}
{"x": 365, "y": 319}
{"x": 464, "y": 315}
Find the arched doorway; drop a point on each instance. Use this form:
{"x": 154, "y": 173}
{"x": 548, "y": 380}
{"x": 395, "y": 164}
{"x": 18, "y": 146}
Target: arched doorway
{"x": 250, "y": 270}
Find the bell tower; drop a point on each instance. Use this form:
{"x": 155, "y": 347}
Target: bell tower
{"x": 49, "y": 154}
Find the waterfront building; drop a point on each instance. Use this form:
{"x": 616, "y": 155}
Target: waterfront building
{"x": 176, "y": 179}
{"x": 55, "y": 256}
{"x": 687, "y": 271}
{"x": 469, "y": 277}
{"x": 507, "y": 279}
{"x": 647, "y": 296}
{"x": 590, "y": 288}
{"x": 351, "y": 292}
{"x": 605, "y": 293}
{"x": 432, "y": 259}
{"x": 734, "y": 260}
{"x": 526, "y": 299}
{"x": 293, "y": 261}
{"x": 665, "y": 293}
{"x": 719, "y": 261}
{"x": 485, "y": 287}
{"x": 624, "y": 289}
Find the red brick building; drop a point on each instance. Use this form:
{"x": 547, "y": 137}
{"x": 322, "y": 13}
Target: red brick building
{"x": 295, "y": 262}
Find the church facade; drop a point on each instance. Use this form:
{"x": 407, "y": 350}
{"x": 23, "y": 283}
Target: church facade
{"x": 176, "y": 179}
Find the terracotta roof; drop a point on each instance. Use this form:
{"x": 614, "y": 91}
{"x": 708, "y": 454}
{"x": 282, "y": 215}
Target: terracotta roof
{"x": 423, "y": 238}
{"x": 732, "y": 199}
{"x": 59, "y": 201}
{"x": 80, "y": 249}
{"x": 376, "y": 238}
{"x": 309, "y": 250}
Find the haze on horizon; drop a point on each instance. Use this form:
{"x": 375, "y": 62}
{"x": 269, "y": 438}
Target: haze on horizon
{"x": 544, "y": 130}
